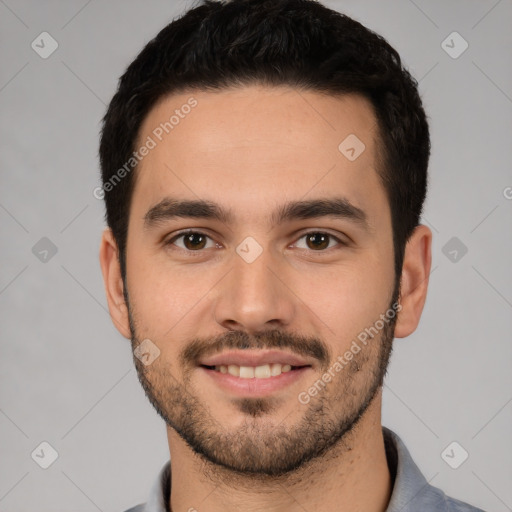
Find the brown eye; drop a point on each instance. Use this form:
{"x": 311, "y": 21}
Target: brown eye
{"x": 319, "y": 241}
{"x": 193, "y": 241}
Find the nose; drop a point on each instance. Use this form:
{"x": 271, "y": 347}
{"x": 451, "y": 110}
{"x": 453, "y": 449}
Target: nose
{"x": 255, "y": 296}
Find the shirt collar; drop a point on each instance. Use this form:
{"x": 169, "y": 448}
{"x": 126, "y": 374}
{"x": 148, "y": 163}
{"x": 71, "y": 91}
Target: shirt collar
{"x": 411, "y": 491}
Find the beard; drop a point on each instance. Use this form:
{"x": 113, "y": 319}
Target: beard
{"x": 262, "y": 445}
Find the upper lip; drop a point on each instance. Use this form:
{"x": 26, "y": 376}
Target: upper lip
{"x": 254, "y": 358}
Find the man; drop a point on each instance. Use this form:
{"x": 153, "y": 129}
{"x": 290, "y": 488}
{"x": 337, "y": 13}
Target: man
{"x": 264, "y": 168}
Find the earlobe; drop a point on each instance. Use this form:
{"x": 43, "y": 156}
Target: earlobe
{"x": 414, "y": 283}
{"x": 111, "y": 270}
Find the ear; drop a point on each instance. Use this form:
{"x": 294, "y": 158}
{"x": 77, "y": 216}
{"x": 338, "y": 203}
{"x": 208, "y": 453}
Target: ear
{"x": 414, "y": 284}
{"x": 109, "y": 261}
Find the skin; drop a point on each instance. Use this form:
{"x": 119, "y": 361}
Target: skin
{"x": 251, "y": 149}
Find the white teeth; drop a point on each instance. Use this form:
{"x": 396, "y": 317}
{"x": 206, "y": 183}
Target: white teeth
{"x": 246, "y": 372}
{"x": 250, "y": 372}
{"x": 275, "y": 369}
{"x": 234, "y": 370}
{"x": 262, "y": 372}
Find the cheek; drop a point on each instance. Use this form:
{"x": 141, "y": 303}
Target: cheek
{"x": 347, "y": 299}
{"x": 161, "y": 297}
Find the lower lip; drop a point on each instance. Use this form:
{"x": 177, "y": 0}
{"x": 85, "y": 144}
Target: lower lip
{"x": 255, "y": 387}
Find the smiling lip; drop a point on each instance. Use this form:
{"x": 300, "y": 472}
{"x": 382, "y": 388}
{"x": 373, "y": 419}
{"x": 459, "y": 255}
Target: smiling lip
{"x": 254, "y": 358}
{"x": 255, "y": 388}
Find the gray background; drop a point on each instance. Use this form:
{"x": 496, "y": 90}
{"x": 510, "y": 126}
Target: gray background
{"x": 67, "y": 375}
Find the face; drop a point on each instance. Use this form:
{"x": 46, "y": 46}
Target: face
{"x": 257, "y": 243}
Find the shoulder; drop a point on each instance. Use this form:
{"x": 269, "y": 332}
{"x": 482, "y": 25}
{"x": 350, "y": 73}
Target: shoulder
{"x": 138, "y": 508}
{"x": 454, "y": 505}
{"x": 411, "y": 491}
{"x": 434, "y": 498}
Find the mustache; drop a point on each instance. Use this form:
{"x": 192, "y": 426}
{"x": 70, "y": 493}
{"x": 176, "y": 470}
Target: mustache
{"x": 302, "y": 345}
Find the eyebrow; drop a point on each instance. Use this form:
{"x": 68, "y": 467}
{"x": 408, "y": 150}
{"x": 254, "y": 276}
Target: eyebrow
{"x": 338, "y": 207}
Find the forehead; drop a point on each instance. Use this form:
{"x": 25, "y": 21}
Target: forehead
{"x": 261, "y": 142}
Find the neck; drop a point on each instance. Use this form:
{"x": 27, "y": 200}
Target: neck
{"x": 352, "y": 476}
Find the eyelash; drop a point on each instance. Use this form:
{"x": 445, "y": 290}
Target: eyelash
{"x": 182, "y": 234}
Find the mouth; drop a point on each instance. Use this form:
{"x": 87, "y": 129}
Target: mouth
{"x": 255, "y": 373}
{"x": 265, "y": 371}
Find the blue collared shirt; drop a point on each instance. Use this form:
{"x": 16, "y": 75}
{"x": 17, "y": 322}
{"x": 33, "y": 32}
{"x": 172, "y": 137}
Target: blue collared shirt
{"x": 411, "y": 491}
